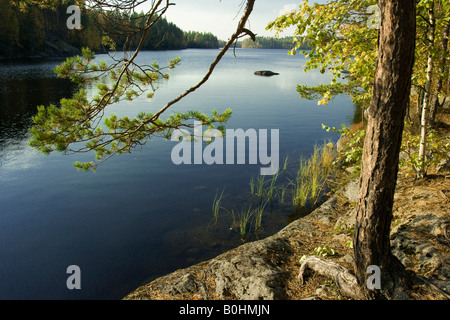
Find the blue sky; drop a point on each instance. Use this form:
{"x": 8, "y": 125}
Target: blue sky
{"x": 221, "y": 17}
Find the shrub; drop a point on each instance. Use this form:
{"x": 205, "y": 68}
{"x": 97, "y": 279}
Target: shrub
{"x": 437, "y": 149}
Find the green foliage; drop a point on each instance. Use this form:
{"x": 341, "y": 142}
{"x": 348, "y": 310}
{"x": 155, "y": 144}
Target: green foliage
{"x": 272, "y": 187}
{"x": 166, "y": 35}
{"x": 324, "y": 251}
{"x": 270, "y": 43}
{"x": 313, "y": 175}
{"x": 259, "y": 210}
{"x": 310, "y": 183}
{"x": 26, "y": 27}
{"x": 195, "y": 39}
{"x": 423, "y": 45}
{"x": 52, "y": 4}
{"x": 437, "y": 146}
{"x": 438, "y": 149}
{"x": 352, "y": 150}
{"x": 217, "y": 206}
{"x": 21, "y": 29}
{"x": 349, "y": 244}
{"x": 75, "y": 126}
{"x": 9, "y": 28}
{"x": 302, "y": 259}
{"x": 259, "y": 188}
{"x": 343, "y": 40}
{"x": 242, "y": 218}
{"x": 38, "y": 27}
{"x": 341, "y": 43}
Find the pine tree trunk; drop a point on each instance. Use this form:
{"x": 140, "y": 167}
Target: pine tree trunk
{"x": 396, "y": 44}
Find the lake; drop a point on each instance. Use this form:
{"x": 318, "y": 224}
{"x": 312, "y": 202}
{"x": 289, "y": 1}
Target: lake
{"x": 140, "y": 216}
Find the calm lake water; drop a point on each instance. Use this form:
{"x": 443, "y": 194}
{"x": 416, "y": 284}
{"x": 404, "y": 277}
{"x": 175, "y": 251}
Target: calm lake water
{"x": 141, "y": 216}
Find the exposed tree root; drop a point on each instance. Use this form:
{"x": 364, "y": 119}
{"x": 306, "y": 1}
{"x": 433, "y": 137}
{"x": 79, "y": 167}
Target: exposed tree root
{"x": 398, "y": 283}
{"x": 345, "y": 281}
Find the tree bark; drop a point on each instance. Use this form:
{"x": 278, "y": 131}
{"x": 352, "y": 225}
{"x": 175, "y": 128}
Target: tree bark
{"x": 386, "y": 113}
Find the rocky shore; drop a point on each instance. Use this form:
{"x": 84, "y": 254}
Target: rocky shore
{"x": 268, "y": 269}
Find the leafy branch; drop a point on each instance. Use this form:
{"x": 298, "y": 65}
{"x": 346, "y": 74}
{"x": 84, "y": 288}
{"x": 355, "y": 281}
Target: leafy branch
{"x": 76, "y": 125}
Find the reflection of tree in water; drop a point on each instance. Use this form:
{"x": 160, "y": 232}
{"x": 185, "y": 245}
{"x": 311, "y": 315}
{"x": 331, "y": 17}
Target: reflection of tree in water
{"x": 19, "y": 100}
{"x": 22, "y": 90}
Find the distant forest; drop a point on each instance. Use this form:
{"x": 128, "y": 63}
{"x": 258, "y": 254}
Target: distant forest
{"x": 35, "y": 31}
{"x": 271, "y": 43}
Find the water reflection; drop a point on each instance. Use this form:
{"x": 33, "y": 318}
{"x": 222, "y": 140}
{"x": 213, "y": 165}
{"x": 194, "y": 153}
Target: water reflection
{"x": 20, "y": 97}
{"x": 23, "y": 87}
{"x": 139, "y": 215}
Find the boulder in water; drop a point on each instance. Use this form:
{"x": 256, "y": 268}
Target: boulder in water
{"x": 266, "y": 73}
